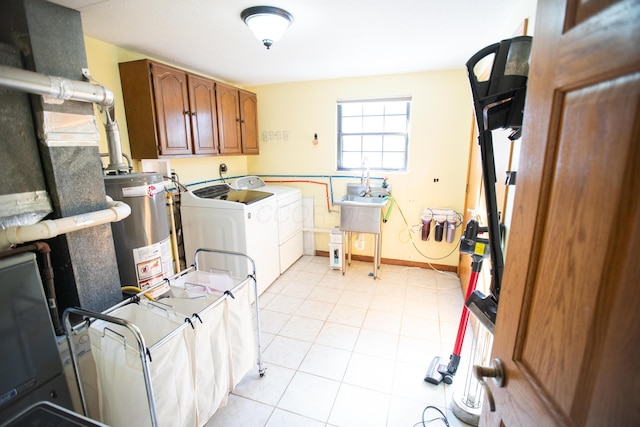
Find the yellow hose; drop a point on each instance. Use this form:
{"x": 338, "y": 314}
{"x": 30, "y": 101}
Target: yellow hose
{"x": 136, "y": 289}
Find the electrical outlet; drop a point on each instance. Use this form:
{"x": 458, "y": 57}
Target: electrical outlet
{"x": 223, "y": 168}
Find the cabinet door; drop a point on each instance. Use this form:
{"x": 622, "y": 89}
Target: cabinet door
{"x": 228, "y": 119}
{"x": 137, "y": 93}
{"x": 172, "y": 110}
{"x": 204, "y": 124}
{"x": 249, "y": 122}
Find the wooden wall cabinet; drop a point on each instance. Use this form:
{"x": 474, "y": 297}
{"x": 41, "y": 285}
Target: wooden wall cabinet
{"x": 202, "y": 108}
{"x": 237, "y": 120}
{"x": 172, "y": 113}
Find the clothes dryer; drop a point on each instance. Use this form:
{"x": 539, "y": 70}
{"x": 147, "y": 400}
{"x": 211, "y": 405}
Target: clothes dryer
{"x": 290, "y": 217}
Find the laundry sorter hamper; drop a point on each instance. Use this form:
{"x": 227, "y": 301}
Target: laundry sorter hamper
{"x": 173, "y": 361}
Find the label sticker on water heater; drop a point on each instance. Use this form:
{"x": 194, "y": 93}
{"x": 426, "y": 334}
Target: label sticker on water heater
{"x": 153, "y": 263}
{"x": 143, "y": 190}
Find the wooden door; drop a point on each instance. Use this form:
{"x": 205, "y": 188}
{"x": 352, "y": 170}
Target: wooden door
{"x": 568, "y": 326}
{"x": 228, "y": 119}
{"x": 249, "y": 122}
{"x": 204, "y": 124}
{"x": 171, "y": 98}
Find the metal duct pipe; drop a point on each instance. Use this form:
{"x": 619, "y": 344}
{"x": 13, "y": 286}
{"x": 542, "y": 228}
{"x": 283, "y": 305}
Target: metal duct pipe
{"x": 59, "y": 89}
{"x": 55, "y": 87}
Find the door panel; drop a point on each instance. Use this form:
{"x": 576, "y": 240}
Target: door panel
{"x": 249, "y": 115}
{"x": 579, "y": 218}
{"x": 228, "y": 119}
{"x": 172, "y": 107}
{"x": 203, "y": 115}
{"x": 567, "y": 328}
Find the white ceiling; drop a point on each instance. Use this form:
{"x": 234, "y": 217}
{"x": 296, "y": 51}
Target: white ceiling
{"x": 328, "y": 38}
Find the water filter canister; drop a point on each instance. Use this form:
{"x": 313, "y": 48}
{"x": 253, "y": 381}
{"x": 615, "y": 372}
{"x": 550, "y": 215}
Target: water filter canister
{"x": 451, "y": 230}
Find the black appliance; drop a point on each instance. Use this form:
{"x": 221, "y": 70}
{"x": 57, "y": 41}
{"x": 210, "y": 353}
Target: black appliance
{"x": 30, "y": 366}
{"x": 498, "y": 104}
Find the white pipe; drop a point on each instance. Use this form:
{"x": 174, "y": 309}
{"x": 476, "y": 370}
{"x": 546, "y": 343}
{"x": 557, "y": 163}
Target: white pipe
{"x": 54, "y": 227}
{"x": 359, "y": 243}
{"x": 317, "y": 230}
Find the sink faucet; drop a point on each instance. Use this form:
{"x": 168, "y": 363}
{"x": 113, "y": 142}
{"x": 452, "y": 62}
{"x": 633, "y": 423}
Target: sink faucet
{"x": 366, "y": 183}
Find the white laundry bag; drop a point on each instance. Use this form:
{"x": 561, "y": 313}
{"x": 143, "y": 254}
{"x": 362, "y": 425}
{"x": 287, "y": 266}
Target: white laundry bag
{"x": 239, "y": 321}
{"x": 209, "y": 346}
{"x": 241, "y": 333}
{"x": 123, "y": 397}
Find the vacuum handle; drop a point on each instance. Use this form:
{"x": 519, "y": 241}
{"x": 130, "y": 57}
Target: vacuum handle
{"x": 473, "y": 61}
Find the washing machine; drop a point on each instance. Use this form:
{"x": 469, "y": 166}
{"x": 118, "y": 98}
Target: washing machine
{"x": 220, "y": 217}
{"x": 289, "y": 215}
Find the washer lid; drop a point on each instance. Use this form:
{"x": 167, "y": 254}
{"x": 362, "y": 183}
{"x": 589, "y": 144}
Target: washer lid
{"x": 248, "y": 182}
{"x": 245, "y": 196}
{"x": 224, "y": 192}
{"x": 212, "y": 191}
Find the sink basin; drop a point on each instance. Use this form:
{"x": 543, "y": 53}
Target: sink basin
{"x": 354, "y": 189}
{"x": 361, "y": 214}
{"x": 365, "y": 202}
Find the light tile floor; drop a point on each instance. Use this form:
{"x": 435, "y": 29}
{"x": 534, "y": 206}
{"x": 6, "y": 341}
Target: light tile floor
{"x": 348, "y": 350}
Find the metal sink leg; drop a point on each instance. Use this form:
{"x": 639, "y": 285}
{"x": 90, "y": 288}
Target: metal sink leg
{"x": 376, "y": 256}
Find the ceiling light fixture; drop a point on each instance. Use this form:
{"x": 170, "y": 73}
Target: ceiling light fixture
{"x": 267, "y": 23}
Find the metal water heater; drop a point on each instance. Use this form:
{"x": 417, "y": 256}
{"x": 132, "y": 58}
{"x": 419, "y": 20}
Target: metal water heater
{"x": 142, "y": 243}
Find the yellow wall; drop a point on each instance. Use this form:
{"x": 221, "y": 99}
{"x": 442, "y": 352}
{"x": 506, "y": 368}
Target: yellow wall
{"x": 441, "y": 117}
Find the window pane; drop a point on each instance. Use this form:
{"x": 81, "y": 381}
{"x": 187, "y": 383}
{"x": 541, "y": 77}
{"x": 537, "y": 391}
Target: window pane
{"x": 352, "y": 125}
{"x": 351, "y": 109}
{"x": 394, "y": 143}
{"x": 375, "y": 160}
{"x": 373, "y": 124}
{"x": 376, "y": 130}
{"x": 351, "y": 143}
{"x": 395, "y": 124}
{"x": 373, "y": 108}
{"x": 396, "y": 107}
{"x": 394, "y": 161}
{"x": 351, "y": 160}
{"x": 372, "y": 142}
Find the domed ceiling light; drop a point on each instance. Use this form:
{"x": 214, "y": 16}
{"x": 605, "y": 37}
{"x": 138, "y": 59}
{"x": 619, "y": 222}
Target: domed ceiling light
{"x": 267, "y": 23}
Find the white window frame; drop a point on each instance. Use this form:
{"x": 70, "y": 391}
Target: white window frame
{"x": 374, "y": 154}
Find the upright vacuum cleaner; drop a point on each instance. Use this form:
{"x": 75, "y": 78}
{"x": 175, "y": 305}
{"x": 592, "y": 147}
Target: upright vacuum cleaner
{"x": 498, "y": 103}
{"x": 440, "y": 369}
